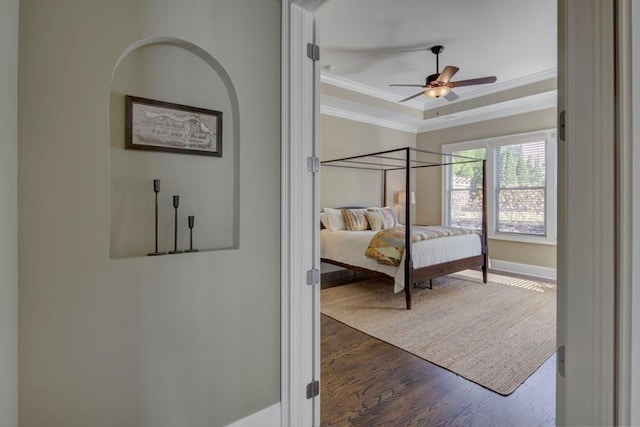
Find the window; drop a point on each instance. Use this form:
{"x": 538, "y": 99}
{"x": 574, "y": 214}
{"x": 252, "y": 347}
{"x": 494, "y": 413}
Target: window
{"x": 465, "y": 191}
{"x": 521, "y": 191}
{"x": 521, "y": 188}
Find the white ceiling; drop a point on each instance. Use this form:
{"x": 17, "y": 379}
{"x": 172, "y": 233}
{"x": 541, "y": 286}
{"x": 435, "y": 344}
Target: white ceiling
{"x": 368, "y": 44}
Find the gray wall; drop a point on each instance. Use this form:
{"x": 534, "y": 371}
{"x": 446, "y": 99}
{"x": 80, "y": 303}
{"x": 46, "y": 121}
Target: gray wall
{"x": 343, "y": 138}
{"x": 8, "y": 213}
{"x": 184, "y": 340}
{"x": 205, "y": 184}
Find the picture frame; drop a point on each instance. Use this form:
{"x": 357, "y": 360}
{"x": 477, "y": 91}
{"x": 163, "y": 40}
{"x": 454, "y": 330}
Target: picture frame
{"x": 164, "y": 126}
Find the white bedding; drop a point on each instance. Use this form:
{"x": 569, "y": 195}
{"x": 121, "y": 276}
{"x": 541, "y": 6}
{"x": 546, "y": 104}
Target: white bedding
{"x": 348, "y": 247}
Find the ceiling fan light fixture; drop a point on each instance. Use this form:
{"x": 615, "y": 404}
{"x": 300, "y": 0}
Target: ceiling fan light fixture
{"x": 437, "y": 91}
{"x": 439, "y": 84}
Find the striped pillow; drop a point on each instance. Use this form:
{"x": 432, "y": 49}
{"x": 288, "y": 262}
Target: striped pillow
{"x": 376, "y": 220}
{"x": 389, "y": 219}
{"x": 355, "y": 219}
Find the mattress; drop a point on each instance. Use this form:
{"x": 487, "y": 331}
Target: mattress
{"x": 348, "y": 247}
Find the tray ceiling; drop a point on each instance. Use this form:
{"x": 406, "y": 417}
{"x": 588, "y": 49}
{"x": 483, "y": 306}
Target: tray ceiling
{"x": 368, "y": 44}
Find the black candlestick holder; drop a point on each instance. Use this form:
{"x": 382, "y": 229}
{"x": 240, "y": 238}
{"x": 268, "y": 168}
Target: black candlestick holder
{"x": 191, "y": 222}
{"x": 176, "y": 203}
{"x": 156, "y": 189}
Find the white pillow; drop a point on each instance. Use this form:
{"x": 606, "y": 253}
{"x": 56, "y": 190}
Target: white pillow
{"x": 335, "y": 219}
{"x": 324, "y": 219}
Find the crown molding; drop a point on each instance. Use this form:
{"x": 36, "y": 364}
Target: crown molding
{"x": 501, "y": 86}
{"x": 521, "y": 106}
{"x": 367, "y": 90}
{"x": 512, "y": 108}
{"x": 365, "y": 118}
{"x": 424, "y": 106}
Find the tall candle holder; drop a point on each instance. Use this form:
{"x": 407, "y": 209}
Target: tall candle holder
{"x": 191, "y": 223}
{"x": 156, "y": 189}
{"x": 176, "y": 203}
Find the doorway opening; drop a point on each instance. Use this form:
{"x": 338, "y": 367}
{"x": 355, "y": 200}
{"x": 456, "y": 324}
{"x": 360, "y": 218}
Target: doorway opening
{"x": 368, "y": 379}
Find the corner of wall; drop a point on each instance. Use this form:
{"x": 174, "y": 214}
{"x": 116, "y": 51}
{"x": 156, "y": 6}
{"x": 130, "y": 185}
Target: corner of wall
{"x": 9, "y": 214}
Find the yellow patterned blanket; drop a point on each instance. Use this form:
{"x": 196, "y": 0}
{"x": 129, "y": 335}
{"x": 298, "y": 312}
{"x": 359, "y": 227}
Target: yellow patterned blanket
{"x": 387, "y": 246}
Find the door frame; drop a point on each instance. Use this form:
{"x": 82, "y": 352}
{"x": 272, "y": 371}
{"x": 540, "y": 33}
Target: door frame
{"x": 628, "y": 161}
{"x": 591, "y": 396}
{"x": 585, "y": 395}
{"x": 300, "y": 302}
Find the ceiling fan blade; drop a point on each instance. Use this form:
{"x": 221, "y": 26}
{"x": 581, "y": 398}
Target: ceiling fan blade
{"x": 411, "y": 97}
{"x": 447, "y": 73}
{"x": 451, "y": 97}
{"x": 470, "y": 82}
{"x": 407, "y": 85}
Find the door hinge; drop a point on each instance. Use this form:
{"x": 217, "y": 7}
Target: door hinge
{"x": 562, "y": 127}
{"x": 313, "y": 389}
{"x": 313, "y": 164}
{"x": 561, "y": 367}
{"x": 313, "y": 276}
{"x": 313, "y": 51}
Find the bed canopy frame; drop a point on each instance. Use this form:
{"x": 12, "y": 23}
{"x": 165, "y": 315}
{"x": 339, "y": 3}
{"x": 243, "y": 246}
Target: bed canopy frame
{"x": 407, "y": 159}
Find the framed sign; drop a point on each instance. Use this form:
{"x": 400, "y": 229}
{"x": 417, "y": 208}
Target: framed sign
{"x": 163, "y": 126}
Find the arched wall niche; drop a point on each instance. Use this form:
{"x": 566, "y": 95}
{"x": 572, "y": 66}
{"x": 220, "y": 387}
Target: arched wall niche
{"x": 179, "y": 72}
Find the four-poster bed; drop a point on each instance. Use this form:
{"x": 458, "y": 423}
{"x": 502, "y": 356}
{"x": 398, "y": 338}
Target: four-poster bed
{"x": 444, "y": 255}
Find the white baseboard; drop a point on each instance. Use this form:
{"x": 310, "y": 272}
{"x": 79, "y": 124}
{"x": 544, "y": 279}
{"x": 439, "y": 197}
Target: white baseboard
{"x": 268, "y": 417}
{"x": 528, "y": 269}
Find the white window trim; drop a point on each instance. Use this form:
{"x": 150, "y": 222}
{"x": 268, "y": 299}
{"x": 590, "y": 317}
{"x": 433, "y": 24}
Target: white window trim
{"x": 548, "y": 135}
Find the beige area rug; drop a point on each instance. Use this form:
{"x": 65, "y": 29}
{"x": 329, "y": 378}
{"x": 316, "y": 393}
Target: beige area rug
{"x": 495, "y": 334}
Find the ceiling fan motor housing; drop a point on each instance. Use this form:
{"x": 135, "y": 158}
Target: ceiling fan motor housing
{"x": 431, "y": 78}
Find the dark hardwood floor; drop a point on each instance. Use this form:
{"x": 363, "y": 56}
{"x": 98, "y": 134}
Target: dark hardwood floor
{"x": 367, "y": 382}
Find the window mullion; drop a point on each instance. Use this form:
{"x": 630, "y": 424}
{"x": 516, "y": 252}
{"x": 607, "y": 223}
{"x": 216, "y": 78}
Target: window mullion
{"x": 447, "y": 178}
{"x": 492, "y": 200}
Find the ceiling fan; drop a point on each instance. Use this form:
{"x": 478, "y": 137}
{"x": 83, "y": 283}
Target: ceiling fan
{"x": 439, "y": 84}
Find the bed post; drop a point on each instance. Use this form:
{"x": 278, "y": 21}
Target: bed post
{"x": 384, "y": 188}
{"x": 408, "y": 262}
{"x": 485, "y": 252}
